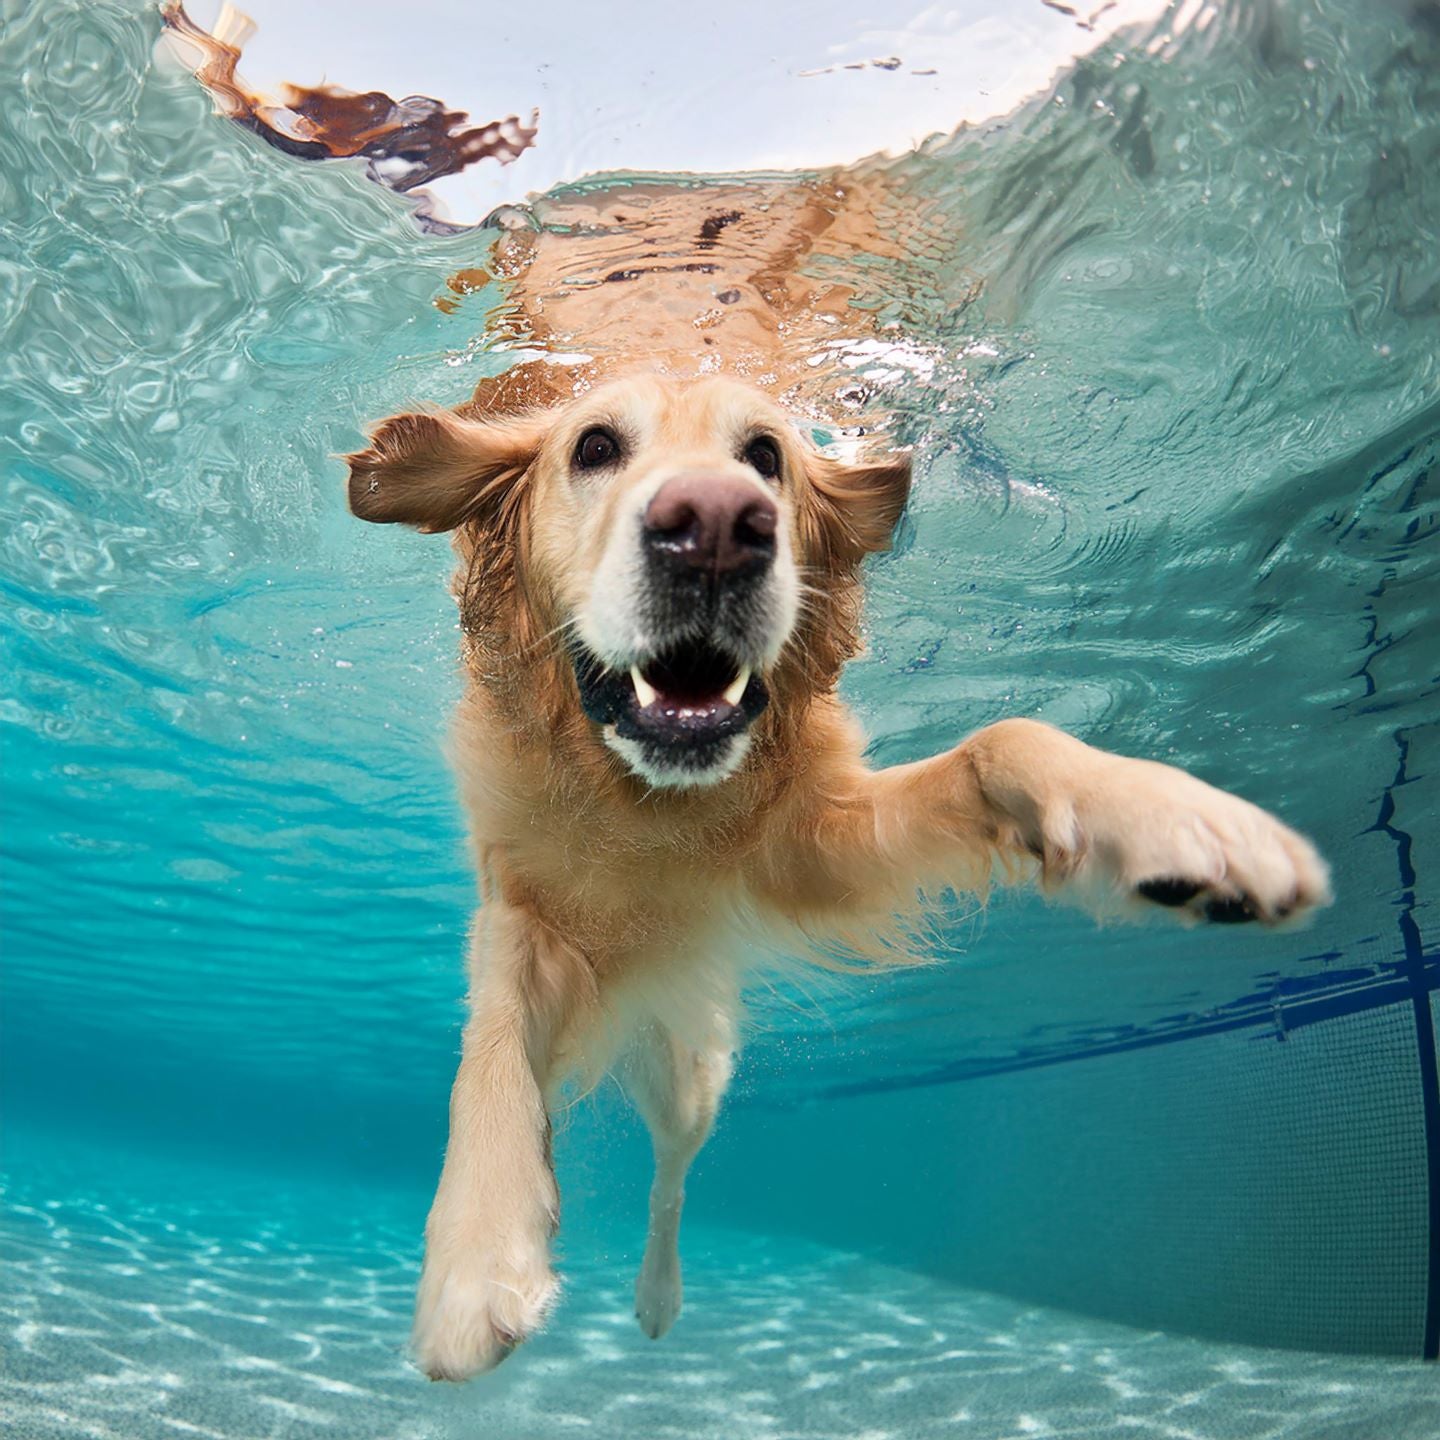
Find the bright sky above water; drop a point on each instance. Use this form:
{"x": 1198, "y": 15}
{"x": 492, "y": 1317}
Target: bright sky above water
{"x": 649, "y": 85}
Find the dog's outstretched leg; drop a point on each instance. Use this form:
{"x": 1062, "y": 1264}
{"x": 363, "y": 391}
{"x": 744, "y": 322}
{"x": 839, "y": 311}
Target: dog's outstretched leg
{"x": 486, "y": 1283}
{"x": 1114, "y": 831}
{"x": 677, "y": 1090}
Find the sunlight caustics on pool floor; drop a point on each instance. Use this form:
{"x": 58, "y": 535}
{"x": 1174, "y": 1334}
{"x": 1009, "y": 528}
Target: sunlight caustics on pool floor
{"x": 200, "y": 1317}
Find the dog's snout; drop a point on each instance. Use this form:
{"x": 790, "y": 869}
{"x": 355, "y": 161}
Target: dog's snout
{"x": 718, "y": 523}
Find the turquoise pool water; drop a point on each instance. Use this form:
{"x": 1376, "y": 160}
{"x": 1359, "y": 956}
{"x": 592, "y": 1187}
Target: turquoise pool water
{"x": 1169, "y": 358}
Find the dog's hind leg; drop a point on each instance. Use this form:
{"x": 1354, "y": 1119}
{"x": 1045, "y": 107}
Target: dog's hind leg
{"x": 677, "y": 1088}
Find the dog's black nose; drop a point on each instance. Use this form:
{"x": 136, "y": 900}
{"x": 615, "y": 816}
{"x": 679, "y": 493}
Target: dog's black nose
{"x": 719, "y": 523}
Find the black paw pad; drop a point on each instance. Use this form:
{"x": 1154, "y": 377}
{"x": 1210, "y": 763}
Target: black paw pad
{"x": 1232, "y": 910}
{"x": 1169, "y": 890}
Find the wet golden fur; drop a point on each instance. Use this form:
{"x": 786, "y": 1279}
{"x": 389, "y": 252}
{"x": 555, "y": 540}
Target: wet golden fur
{"x": 614, "y": 914}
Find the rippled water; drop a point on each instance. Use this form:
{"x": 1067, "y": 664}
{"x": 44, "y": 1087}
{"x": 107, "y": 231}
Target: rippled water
{"x": 1166, "y": 345}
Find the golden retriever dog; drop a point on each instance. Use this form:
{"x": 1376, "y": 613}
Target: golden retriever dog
{"x": 659, "y": 583}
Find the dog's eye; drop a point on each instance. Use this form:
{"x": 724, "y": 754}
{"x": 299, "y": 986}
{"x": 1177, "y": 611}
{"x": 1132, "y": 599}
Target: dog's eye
{"x": 596, "y": 448}
{"x": 763, "y": 456}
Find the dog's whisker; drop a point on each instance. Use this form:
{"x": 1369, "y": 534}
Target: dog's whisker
{"x": 569, "y": 625}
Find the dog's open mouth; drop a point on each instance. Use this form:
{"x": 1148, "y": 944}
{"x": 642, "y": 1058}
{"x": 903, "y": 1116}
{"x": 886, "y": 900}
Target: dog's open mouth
{"x": 685, "y": 700}
{"x": 697, "y": 682}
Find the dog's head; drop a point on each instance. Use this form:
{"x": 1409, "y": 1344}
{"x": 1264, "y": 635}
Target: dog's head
{"x": 676, "y": 545}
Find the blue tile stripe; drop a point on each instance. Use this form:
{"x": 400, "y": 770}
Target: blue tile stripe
{"x": 1389, "y": 985}
{"x": 1415, "y": 969}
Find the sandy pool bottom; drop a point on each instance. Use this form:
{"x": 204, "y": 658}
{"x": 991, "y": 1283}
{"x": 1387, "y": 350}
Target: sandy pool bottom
{"x": 168, "y": 1318}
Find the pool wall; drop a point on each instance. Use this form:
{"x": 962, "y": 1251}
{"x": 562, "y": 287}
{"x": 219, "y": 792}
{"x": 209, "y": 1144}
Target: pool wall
{"x": 1271, "y": 1186}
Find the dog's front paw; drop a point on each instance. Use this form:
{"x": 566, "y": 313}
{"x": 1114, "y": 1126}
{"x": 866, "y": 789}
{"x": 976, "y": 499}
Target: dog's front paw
{"x": 658, "y": 1291}
{"x": 476, "y": 1304}
{"x": 1160, "y": 835}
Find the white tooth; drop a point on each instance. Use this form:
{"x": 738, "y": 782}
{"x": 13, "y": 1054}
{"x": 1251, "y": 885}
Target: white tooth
{"x": 643, "y": 688}
{"x": 737, "y": 686}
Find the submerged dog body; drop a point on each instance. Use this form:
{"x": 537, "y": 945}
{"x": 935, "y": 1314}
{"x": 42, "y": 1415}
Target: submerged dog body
{"x": 659, "y": 585}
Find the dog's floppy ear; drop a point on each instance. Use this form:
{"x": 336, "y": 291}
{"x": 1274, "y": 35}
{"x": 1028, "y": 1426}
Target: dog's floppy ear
{"x": 861, "y": 503}
{"x": 435, "y": 470}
